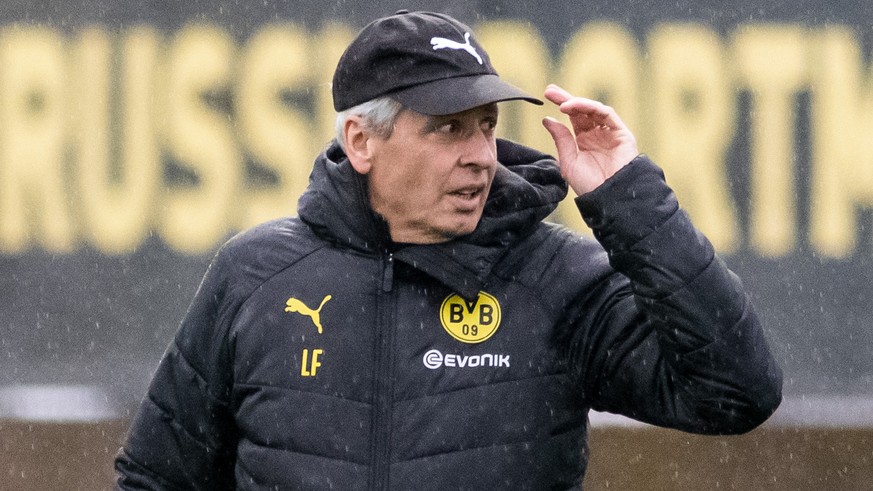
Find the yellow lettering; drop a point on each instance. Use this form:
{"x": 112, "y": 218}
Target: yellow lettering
{"x": 304, "y": 365}
{"x": 140, "y": 153}
{"x": 508, "y": 42}
{"x": 115, "y": 199}
{"x": 842, "y": 118}
{"x": 771, "y": 62}
{"x": 275, "y": 64}
{"x": 693, "y": 113}
{"x": 34, "y": 203}
{"x": 197, "y": 141}
{"x": 602, "y": 61}
{"x": 307, "y": 368}
{"x": 331, "y": 42}
{"x": 199, "y": 134}
{"x": 90, "y": 124}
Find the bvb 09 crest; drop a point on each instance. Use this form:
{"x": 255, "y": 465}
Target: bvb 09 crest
{"x": 470, "y": 321}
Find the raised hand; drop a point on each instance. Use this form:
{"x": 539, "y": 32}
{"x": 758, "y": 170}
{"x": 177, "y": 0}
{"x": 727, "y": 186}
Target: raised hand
{"x": 599, "y": 145}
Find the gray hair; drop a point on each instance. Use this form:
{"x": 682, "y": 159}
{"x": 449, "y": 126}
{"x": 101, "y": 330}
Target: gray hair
{"x": 379, "y": 116}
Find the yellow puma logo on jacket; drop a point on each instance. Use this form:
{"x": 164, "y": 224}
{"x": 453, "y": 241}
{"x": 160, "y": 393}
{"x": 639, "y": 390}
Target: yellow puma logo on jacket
{"x": 294, "y": 305}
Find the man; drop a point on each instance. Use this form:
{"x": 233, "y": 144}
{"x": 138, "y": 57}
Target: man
{"x": 420, "y": 327}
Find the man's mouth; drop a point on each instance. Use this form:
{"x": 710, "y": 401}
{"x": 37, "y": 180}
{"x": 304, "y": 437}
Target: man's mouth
{"x": 469, "y": 191}
{"x": 468, "y": 194}
{"x": 468, "y": 197}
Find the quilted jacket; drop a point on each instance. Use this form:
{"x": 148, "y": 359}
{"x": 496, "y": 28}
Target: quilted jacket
{"x": 319, "y": 355}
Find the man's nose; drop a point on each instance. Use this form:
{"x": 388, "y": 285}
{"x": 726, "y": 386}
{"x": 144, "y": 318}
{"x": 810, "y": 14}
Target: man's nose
{"x": 480, "y": 150}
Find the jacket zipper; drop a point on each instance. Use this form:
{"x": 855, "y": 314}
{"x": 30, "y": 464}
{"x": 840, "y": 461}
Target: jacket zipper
{"x": 383, "y": 382}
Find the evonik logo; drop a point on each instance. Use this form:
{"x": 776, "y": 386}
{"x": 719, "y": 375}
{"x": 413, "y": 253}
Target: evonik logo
{"x": 434, "y": 359}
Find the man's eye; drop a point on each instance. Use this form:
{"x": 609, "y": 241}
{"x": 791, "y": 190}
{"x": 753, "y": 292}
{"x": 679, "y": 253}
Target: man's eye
{"x": 448, "y": 127}
{"x": 489, "y": 125}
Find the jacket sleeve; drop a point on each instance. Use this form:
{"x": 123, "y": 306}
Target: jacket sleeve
{"x": 183, "y": 434}
{"x": 669, "y": 337}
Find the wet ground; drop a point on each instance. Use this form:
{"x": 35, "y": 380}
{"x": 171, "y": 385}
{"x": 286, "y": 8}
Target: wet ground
{"x": 45, "y": 456}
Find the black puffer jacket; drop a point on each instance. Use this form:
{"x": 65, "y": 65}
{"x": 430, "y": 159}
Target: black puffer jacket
{"x": 317, "y": 356}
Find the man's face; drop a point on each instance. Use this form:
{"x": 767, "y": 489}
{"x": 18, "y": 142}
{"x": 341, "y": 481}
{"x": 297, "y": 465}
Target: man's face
{"x": 431, "y": 177}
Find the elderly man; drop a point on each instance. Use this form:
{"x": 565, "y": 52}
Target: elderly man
{"x": 418, "y": 326}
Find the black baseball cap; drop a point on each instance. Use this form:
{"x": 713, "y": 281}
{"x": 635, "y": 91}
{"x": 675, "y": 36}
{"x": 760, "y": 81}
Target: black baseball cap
{"x": 429, "y": 62}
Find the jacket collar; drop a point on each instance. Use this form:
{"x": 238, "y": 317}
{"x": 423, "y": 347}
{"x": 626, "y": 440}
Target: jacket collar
{"x": 527, "y": 187}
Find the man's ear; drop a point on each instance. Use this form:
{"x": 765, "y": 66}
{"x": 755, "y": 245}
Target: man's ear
{"x": 357, "y": 143}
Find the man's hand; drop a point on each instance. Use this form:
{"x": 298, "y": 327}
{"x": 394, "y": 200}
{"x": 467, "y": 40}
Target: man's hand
{"x": 601, "y": 146}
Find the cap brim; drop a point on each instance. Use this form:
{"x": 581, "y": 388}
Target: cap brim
{"x": 458, "y": 94}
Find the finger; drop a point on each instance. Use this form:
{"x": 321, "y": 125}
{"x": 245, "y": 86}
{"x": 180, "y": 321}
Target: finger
{"x": 557, "y": 94}
{"x": 565, "y": 142}
{"x": 587, "y": 114}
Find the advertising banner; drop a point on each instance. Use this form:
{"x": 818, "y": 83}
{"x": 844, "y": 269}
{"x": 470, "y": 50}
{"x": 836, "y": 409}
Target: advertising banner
{"x": 136, "y": 137}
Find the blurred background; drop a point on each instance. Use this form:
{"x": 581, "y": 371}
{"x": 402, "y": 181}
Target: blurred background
{"x": 135, "y": 137}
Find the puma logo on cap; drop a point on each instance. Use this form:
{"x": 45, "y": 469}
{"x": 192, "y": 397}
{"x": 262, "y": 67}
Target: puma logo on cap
{"x": 443, "y": 43}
